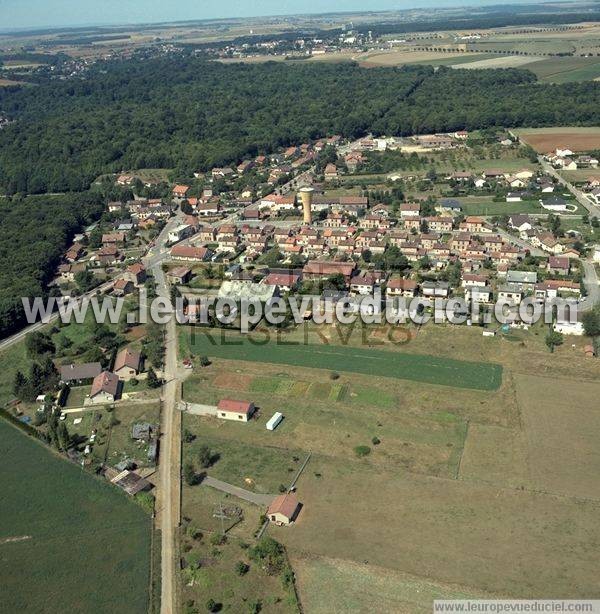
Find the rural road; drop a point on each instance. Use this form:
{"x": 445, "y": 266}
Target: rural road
{"x": 590, "y": 280}
{"x": 241, "y": 493}
{"x": 578, "y": 194}
{"x": 168, "y": 509}
{"x": 6, "y": 343}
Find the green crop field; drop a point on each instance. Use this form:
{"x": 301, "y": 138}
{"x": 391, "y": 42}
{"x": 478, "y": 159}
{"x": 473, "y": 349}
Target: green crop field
{"x": 565, "y": 69}
{"x": 416, "y": 367}
{"x": 68, "y": 542}
{"x": 480, "y": 207}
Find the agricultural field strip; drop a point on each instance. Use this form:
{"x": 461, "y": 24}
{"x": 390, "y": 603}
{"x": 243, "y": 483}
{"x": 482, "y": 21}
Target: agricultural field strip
{"x": 417, "y": 367}
{"x": 81, "y": 512}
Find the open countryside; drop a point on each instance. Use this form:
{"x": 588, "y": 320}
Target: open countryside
{"x": 436, "y": 153}
{"x": 439, "y": 485}
{"x": 72, "y": 537}
{"x": 416, "y": 367}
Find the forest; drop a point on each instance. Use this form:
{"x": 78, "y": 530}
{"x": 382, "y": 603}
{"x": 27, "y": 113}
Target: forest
{"x": 34, "y": 232}
{"x": 190, "y": 114}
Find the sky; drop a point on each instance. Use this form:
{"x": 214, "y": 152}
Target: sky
{"x": 51, "y": 13}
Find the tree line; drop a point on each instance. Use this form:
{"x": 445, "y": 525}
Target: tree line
{"x": 190, "y": 114}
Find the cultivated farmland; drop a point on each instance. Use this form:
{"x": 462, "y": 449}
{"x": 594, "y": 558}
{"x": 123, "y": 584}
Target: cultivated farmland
{"x": 416, "y": 367}
{"x": 68, "y": 542}
{"x": 565, "y": 69}
{"x": 511, "y": 61}
{"x": 544, "y": 140}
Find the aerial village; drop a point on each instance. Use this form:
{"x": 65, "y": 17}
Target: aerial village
{"x": 333, "y": 218}
{"x": 284, "y": 223}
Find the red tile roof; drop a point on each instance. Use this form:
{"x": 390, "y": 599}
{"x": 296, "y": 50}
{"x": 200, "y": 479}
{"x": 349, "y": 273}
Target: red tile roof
{"x": 188, "y": 252}
{"x": 317, "y": 267}
{"x": 136, "y": 268}
{"x": 286, "y": 505}
{"x": 181, "y": 189}
{"x": 236, "y": 407}
{"x": 282, "y": 279}
{"x": 128, "y": 358}
{"x": 105, "y": 382}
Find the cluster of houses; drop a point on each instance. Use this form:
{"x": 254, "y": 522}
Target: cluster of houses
{"x": 106, "y": 386}
{"x": 438, "y": 237}
{"x": 342, "y": 245}
{"x": 566, "y": 160}
{"x": 531, "y": 231}
{"x": 275, "y": 167}
{"x": 143, "y": 213}
{"x": 523, "y": 184}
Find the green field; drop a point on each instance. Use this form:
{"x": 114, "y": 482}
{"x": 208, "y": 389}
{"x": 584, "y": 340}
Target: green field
{"x": 480, "y": 207}
{"x": 416, "y": 367}
{"x": 12, "y": 359}
{"x": 525, "y": 46}
{"x": 86, "y": 547}
{"x": 565, "y": 69}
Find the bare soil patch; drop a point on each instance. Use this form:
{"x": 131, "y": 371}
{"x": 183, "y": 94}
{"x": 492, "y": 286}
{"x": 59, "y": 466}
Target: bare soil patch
{"x": 502, "y": 541}
{"x": 233, "y": 381}
{"x": 546, "y": 140}
{"x": 561, "y": 420}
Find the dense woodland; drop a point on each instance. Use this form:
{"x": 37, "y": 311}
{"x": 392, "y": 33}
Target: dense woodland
{"x": 189, "y": 114}
{"x": 34, "y": 232}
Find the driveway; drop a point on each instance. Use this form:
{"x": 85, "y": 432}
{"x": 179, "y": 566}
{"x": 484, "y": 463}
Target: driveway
{"x": 241, "y": 493}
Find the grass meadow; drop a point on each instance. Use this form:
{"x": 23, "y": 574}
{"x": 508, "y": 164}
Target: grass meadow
{"x": 68, "y": 541}
{"x": 415, "y": 367}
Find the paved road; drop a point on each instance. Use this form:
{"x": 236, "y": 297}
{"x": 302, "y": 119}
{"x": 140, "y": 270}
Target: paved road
{"x": 534, "y": 251}
{"x": 241, "y": 493}
{"x": 169, "y": 492}
{"x": 6, "y": 343}
{"x": 590, "y": 280}
{"x": 581, "y": 198}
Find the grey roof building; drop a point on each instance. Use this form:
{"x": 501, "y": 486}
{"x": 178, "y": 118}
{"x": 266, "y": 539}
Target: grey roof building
{"x": 80, "y": 372}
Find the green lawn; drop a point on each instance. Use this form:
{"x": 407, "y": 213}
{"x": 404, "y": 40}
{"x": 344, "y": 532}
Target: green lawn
{"x": 77, "y": 396}
{"x": 489, "y": 207}
{"x": 416, "y": 367}
{"x": 12, "y": 360}
{"x": 257, "y": 468}
{"x": 566, "y": 69}
{"x": 87, "y": 546}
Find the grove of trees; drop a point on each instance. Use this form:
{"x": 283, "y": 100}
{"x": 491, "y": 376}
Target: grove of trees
{"x": 190, "y": 114}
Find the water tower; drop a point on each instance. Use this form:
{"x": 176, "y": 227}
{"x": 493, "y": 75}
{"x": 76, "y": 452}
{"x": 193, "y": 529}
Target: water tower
{"x": 306, "y": 196}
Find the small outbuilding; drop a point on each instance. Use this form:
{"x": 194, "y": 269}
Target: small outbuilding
{"x": 284, "y": 509}
{"x": 240, "y": 411}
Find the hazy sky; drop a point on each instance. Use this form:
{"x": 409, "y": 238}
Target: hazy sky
{"x": 40, "y": 13}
